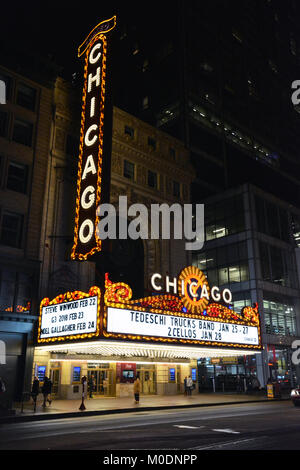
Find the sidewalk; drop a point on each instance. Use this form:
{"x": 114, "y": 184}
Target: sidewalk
{"x": 102, "y": 406}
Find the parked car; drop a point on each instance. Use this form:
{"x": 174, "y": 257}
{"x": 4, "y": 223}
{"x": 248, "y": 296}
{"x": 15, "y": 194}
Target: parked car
{"x": 295, "y": 396}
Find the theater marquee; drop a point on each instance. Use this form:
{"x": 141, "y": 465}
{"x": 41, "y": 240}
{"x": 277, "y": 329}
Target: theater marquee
{"x": 191, "y": 317}
{"x": 91, "y": 150}
{"x": 73, "y": 315}
{"x": 197, "y": 315}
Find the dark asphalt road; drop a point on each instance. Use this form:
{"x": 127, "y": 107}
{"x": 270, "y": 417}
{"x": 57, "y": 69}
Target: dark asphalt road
{"x": 259, "y": 426}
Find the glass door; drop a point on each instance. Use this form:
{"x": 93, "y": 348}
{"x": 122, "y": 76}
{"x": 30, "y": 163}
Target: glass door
{"x": 148, "y": 381}
{"x": 54, "y": 377}
{"x": 103, "y": 381}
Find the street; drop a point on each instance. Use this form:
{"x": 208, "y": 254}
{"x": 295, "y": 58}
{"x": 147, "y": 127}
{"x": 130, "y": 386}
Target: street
{"x": 257, "y": 426}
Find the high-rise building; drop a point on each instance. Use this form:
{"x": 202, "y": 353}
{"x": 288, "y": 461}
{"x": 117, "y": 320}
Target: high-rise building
{"x": 218, "y": 76}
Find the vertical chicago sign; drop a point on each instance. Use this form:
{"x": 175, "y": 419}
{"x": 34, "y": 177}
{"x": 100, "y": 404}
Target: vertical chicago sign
{"x": 92, "y": 135}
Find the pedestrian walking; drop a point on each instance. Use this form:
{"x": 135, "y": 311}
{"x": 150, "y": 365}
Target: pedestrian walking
{"x": 189, "y": 384}
{"x": 185, "y": 385}
{"x": 35, "y": 390}
{"x": 137, "y": 389}
{"x": 46, "y": 391}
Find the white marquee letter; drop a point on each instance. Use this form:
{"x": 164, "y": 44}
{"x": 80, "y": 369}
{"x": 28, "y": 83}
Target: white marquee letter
{"x": 95, "y": 78}
{"x": 171, "y": 284}
{"x": 87, "y": 140}
{"x": 204, "y": 292}
{"x": 227, "y": 296}
{"x": 86, "y": 238}
{"x": 89, "y": 167}
{"x": 87, "y": 204}
{"x": 215, "y": 296}
{"x": 92, "y": 59}
{"x": 153, "y": 277}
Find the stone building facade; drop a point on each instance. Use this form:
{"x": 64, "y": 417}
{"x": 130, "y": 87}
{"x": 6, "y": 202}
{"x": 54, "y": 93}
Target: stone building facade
{"x": 147, "y": 165}
{"x": 25, "y": 131}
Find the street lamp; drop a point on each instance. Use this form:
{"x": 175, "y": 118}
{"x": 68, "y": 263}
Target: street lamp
{"x": 84, "y": 383}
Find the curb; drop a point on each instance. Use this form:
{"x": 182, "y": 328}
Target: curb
{"x": 76, "y": 414}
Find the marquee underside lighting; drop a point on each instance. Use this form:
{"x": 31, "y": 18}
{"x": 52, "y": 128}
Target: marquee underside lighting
{"x": 131, "y": 350}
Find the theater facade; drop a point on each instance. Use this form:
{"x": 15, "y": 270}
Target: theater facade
{"x": 163, "y": 338}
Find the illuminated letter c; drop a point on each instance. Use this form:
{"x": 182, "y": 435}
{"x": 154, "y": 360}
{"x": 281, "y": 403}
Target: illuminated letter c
{"x": 89, "y": 142}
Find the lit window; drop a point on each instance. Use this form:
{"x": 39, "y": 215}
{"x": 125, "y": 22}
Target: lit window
{"x": 135, "y": 49}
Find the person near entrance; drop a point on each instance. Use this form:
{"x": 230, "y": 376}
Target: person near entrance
{"x": 46, "y": 391}
{"x": 189, "y": 385}
{"x": 137, "y": 389}
{"x": 185, "y": 386}
{"x": 91, "y": 385}
{"x": 35, "y": 390}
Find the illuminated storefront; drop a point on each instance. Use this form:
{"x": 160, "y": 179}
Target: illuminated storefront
{"x": 160, "y": 337}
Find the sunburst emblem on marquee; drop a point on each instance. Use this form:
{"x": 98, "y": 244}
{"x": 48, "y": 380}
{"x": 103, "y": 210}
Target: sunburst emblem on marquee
{"x": 190, "y": 285}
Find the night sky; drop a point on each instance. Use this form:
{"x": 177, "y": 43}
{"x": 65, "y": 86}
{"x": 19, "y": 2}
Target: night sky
{"x": 55, "y": 29}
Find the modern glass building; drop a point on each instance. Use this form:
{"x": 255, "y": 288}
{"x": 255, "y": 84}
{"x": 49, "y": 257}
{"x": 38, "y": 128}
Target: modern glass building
{"x": 252, "y": 247}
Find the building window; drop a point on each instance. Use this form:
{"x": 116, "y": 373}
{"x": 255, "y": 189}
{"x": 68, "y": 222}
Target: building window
{"x": 224, "y": 218}
{"x": 176, "y": 189}
{"x": 128, "y": 170}
{"x": 225, "y": 265}
{"x": 279, "y": 315}
{"x": 11, "y": 229}
{"x": 17, "y": 177}
{"x": 278, "y": 265}
{"x": 26, "y": 96}
{"x": 271, "y": 219}
{"x": 241, "y": 300}
{"x": 72, "y": 145}
{"x": 129, "y": 131}
{"x": 152, "y": 143}
{"x": 172, "y": 153}
{"x": 22, "y": 133}
{"x": 15, "y": 291}
{"x": 3, "y": 124}
{"x": 152, "y": 179}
